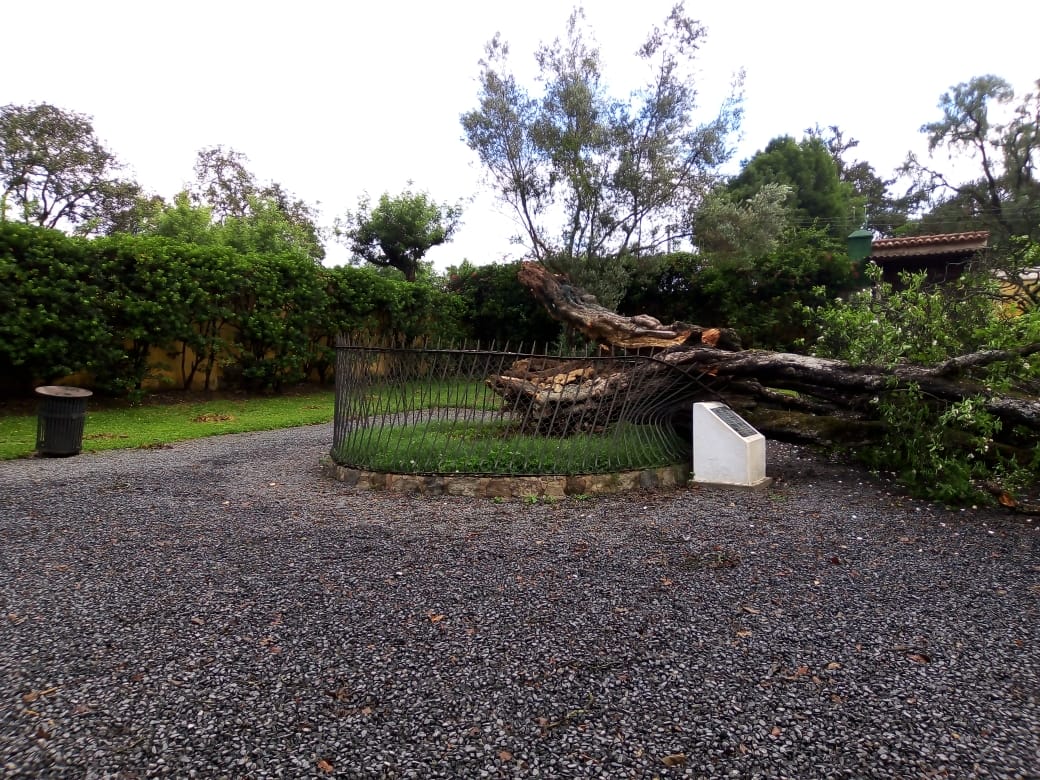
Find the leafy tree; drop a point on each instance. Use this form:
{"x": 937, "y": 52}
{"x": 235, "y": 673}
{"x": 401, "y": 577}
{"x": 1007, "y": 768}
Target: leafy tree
{"x": 817, "y": 194}
{"x": 1004, "y": 195}
{"x": 55, "y": 171}
{"x": 731, "y": 230}
{"x": 130, "y": 210}
{"x": 224, "y": 183}
{"x": 881, "y": 212}
{"x": 398, "y": 231}
{"x": 183, "y": 221}
{"x": 594, "y": 179}
{"x": 267, "y": 229}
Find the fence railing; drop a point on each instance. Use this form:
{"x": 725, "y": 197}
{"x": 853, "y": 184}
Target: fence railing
{"x": 472, "y": 410}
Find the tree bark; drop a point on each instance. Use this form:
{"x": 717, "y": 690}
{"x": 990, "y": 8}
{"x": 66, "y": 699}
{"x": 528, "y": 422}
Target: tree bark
{"x": 577, "y": 309}
{"x": 690, "y": 363}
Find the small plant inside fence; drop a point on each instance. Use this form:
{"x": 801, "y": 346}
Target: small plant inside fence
{"x": 473, "y": 410}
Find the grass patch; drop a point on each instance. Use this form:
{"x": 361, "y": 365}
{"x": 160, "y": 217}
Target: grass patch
{"x": 154, "y": 424}
{"x": 495, "y": 448}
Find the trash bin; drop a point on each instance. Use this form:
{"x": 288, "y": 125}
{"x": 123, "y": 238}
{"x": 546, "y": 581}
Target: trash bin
{"x": 59, "y": 423}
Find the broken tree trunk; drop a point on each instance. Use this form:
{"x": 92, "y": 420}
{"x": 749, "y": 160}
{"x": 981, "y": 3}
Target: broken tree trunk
{"x": 574, "y": 307}
{"x": 782, "y": 393}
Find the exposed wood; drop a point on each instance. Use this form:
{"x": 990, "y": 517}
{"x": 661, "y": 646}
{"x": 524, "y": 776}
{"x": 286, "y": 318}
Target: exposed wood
{"x": 573, "y": 307}
{"x": 697, "y": 363}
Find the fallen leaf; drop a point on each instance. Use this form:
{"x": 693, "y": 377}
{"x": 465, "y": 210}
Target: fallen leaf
{"x": 324, "y": 766}
{"x": 775, "y": 732}
{"x": 675, "y": 759}
{"x": 744, "y": 633}
{"x": 505, "y": 755}
{"x": 833, "y": 665}
{"x": 801, "y": 671}
{"x": 751, "y": 610}
{"x": 919, "y": 658}
{"x": 436, "y": 618}
{"x": 667, "y": 582}
{"x": 836, "y": 560}
{"x": 198, "y": 621}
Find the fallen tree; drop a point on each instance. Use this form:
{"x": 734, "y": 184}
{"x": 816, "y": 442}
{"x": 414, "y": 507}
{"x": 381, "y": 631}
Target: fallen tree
{"x": 786, "y": 395}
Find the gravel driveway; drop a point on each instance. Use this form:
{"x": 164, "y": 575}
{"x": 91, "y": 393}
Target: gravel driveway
{"x": 218, "y": 609}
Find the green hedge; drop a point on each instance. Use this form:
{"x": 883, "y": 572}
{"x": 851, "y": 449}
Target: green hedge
{"x": 103, "y": 307}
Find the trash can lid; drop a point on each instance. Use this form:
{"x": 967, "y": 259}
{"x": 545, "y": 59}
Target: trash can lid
{"x": 63, "y": 391}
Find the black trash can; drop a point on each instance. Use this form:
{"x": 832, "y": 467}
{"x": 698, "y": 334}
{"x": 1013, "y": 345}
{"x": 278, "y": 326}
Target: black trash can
{"x": 59, "y": 422}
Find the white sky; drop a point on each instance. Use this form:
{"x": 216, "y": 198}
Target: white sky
{"x": 333, "y": 98}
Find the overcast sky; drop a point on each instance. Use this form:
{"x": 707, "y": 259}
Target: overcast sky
{"x": 332, "y": 99}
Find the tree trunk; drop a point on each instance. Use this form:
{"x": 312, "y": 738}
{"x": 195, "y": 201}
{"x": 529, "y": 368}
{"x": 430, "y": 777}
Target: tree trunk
{"x": 780, "y": 392}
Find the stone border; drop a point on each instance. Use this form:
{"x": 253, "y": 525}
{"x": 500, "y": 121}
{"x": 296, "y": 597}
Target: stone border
{"x": 506, "y": 486}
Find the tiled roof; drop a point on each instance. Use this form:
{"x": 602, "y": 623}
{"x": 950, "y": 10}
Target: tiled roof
{"x": 918, "y": 246}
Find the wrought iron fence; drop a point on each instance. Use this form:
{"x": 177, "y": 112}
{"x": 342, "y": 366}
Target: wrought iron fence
{"x": 474, "y": 410}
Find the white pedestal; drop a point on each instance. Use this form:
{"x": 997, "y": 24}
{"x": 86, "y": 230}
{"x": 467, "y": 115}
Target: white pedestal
{"x": 726, "y": 449}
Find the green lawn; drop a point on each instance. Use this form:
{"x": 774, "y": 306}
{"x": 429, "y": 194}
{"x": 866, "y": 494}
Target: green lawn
{"x": 110, "y": 427}
{"x": 494, "y": 448}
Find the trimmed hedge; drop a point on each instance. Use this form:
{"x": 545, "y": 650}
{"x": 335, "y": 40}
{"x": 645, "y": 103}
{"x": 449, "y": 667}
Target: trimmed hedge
{"x": 104, "y": 307}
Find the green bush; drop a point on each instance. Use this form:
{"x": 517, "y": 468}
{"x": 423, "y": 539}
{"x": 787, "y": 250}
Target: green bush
{"x": 268, "y": 319}
{"x": 53, "y": 319}
{"x": 763, "y": 299}
{"x": 497, "y": 308}
{"x": 952, "y": 451}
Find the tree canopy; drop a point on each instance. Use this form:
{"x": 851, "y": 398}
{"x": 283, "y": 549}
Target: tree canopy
{"x": 982, "y": 120}
{"x": 806, "y": 167}
{"x": 594, "y": 178}
{"x": 54, "y": 170}
{"x": 266, "y": 215}
{"x": 399, "y": 230}
{"x": 882, "y": 212}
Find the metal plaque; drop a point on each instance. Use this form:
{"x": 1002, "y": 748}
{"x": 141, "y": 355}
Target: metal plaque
{"x": 734, "y": 421}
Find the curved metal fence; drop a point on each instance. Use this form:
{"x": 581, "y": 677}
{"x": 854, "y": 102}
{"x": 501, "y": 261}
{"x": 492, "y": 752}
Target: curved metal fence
{"x": 471, "y": 410}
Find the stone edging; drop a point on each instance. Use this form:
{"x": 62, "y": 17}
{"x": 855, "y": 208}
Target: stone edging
{"x": 506, "y": 486}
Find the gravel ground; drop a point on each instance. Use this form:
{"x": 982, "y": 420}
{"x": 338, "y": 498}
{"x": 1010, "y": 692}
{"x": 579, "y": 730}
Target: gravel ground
{"x": 218, "y": 609}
